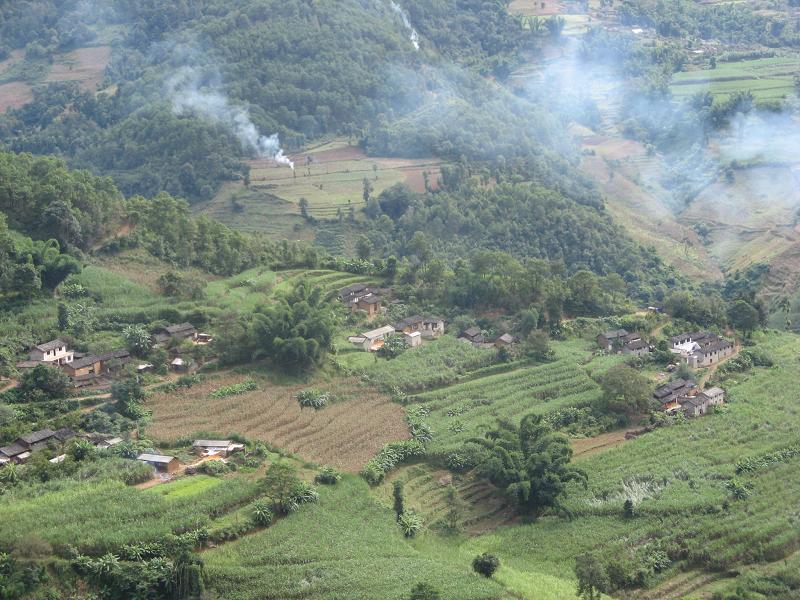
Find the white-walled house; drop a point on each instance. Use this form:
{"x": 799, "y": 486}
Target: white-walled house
{"x": 52, "y": 352}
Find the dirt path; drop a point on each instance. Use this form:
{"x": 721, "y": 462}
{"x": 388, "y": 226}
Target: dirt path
{"x": 585, "y": 447}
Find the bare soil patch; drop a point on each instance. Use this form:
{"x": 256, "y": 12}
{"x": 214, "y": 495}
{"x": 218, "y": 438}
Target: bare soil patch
{"x": 14, "y": 95}
{"x": 84, "y": 65}
{"x": 345, "y": 434}
{"x": 585, "y": 447}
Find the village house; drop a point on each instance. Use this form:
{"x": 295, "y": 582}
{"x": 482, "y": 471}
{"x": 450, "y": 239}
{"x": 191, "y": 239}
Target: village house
{"x": 473, "y": 335}
{"x": 504, "y": 340}
{"x": 637, "y": 348}
{"x": 684, "y": 396}
{"x": 216, "y": 447}
{"x": 360, "y": 296}
{"x": 181, "y": 331}
{"x": 410, "y": 324}
{"x": 87, "y": 370}
{"x": 611, "y": 340}
{"x": 372, "y": 341}
{"x": 432, "y": 327}
{"x": 179, "y": 365}
{"x": 619, "y": 340}
{"x": 22, "y": 448}
{"x": 161, "y": 463}
{"x": 701, "y": 349}
{"x": 52, "y": 352}
{"x": 668, "y": 395}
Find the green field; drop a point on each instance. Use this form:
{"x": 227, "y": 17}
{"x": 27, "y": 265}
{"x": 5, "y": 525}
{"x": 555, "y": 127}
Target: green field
{"x": 767, "y": 78}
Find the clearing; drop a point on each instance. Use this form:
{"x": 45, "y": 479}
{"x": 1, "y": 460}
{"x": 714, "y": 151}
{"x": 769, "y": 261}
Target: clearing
{"x": 84, "y": 65}
{"x": 766, "y": 78}
{"x": 345, "y": 434}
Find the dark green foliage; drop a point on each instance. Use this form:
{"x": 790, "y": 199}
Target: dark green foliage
{"x": 42, "y": 383}
{"x": 743, "y": 317}
{"x": 592, "y": 577}
{"x": 626, "y": 392}
{"x": 424, "y": 591}
{"x": 628, "y": 509}
{"x": 397, "y": 495}
{"x": 531, "y": 463}
{"x": 128, "y": 396}
{"x": 764, "y": 461}
{"x": 410, "y": 523}
{"x": 327, "y": 476}
{"x": 262, "y": 515}
{"x": 394, "y": 346}
{"x": 315, "y": 399}
{"x": 485, "y": 564}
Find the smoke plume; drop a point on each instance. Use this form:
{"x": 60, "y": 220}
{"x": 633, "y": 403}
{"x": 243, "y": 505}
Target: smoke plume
{"x": 187, "y": 93}
{"x": 413, "y": 35}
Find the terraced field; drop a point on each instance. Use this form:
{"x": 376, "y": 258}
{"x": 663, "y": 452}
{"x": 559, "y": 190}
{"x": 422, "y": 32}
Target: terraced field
{"x": 345, "y": 434}
{"x": 466, "y": 410}
{"x": 472, "y": 504}
{"x": 766, "y": 78}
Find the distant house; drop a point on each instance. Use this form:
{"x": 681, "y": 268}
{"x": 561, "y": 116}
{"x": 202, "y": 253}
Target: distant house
{"x": 161, "y": 463}
{"x": 179, "y": 365}
{"x": 409, "y": 324}
{"x": 474, "y": 335}
{"x": 669, "y": 394}
{"x": 216, "y": 447}
{"x": 86, "y": 370}
{"x": 25, "y": 445}
{"x": 684, "y": 396}
{"x": 715, "y": 395}
{"x": 51, "y": 352}
{"x": 701, "y": 349}
{"x": 181, "y": 331}
{"x": 372, "y": 341}
{"x": 636, "y": 348}
{"x": 203, "y": 339}
{"x": 360, "y": 296}
{"x": 610, "y": 340}
{"x": 504, "y": 340}
{"x": 433, "y": 327}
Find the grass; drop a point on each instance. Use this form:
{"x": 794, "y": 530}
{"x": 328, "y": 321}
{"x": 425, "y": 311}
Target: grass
{"x": 345, "y": 546}
{"x": 186, "y": 487}
{"x": 767, "y": 78}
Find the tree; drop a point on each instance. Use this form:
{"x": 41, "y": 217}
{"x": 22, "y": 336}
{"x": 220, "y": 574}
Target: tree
{"x": 485, "y": 564}
{"x": 137, "y": 339}
{"x": 367, "y": 190}
{"x": 538, "y": 345}
{"x": 531, "y": 463}
{"x": 278, "y": 485}
{"x": 743, "y": 317}
{"x": 262, "y": 515}
{"x": 363, "y": 247}
{"x": 63, "y": 317}
{"x": 593, "y": 580}
{"x": 424, "y": 591}
{"x": 626, "y": 392}
{"x": 43, "y": 382}
{"x": 628, "y": 509}
{"x": 528, "y": 321}
{"x": 397, "y": 494}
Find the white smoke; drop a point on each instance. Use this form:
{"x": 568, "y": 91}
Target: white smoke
{"x": 413, "y": 35}
{"x": 187, "y": 94}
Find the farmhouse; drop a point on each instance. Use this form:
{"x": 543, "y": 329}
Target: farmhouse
{"x": 413, "y": 339}
{"x": 669, "y": 394}
{"x": 429, "y": 327}
{"x": 504, "y": 340}
{"x": 182, "y": 331}
{"x": 372, "y": 341}
{"x": 701, "y": 349}
{"x": 179, "y": 365}
{"x": 409, "y": 324}
{"x": 684, "y": 396}
{"x": 161, "y": 463}
{"x": 619, "y": 340}
{"x": 86, "y": 370}
{"x": 24, "y": 446}
{"x": 360, "y": 296}
{"x": 473, "y": 335}
{"x": 216, "y": 447}
{"x": 51, "y": 352}
{"x": 611, "y": 339}
{"x": 637, "y": 348}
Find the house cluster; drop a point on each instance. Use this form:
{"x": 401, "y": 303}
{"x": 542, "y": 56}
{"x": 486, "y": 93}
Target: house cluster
{"x": 685, "y": 396}
{"x": 413, "y": 329}
{"x": 361, "y": 297}
{"x": 82, "y": 369}
{"x": 476, "y": 337}
{"x": 621, "y": 342}
{"x": 205, "y": 449}
{"x": 23, "y": 447}
{"x": 701, "y": 349}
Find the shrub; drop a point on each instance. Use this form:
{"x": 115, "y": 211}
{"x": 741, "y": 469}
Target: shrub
{"x": 424, "y": 591}
{"x": 486, "y": 564}
{"x": 262, "y": 515}
{"x": 327, "y": 476}
{"x": 315, "y": 399}
{"x": 213, "y": 467}
{"x": 235, "y": 390}
{"x": 410, "y": 523}
{"x": 389, "y": 457}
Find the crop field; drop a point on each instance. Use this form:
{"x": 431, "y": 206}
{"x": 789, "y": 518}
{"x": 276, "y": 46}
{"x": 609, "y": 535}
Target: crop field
{"x": 345, "y": 434}
{"x": 96, "y": 515}
{"x": 766, "y": 78}
{"x": 435, "y": 493}
{"x": 678, "y": 475}
{"x": 437, "y": 362}
{"x": 467, "y": 410}
{"x": 330, "y": 177}
{"x": 345, "y": 546}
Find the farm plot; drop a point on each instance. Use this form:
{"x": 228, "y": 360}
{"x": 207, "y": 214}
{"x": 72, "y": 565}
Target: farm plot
{"x": 102, "y": 515}
{"x": 346, "y": 433}
{"x": 343, "y": 547}
{"x": 469, "y": 409}
{"x": 84, "y": 65}
{"x": 766, "y": 78}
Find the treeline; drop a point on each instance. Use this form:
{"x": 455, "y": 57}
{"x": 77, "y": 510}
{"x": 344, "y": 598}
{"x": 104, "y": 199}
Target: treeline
{"x": 525, "y": 221}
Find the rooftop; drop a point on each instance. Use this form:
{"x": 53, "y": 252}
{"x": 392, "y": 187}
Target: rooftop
{"x": 90, "y": 360}
{"x": 211, "y": 443}
{"x": 155, "y": 458}
{"x": 47, "y": 346}
{"x": 38, "y": 436}
{"x": 181, "y": 327}
{"x": 375, "y": 333}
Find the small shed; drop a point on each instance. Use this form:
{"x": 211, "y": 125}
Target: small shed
{"x": 179, "y": 365}
{"x": 413, "y": 339}
{"x": 504, "y": 340}
{"x": 216, "y": 447}
{"x": 161, "y": 463}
